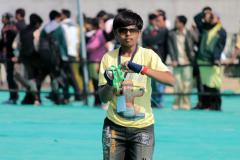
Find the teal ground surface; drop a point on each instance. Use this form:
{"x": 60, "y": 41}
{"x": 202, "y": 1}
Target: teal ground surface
{"x": 73, "y": 132}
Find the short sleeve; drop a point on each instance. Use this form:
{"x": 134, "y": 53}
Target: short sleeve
{"x": 155, "y": 62}
{"x": 103, "y": 67}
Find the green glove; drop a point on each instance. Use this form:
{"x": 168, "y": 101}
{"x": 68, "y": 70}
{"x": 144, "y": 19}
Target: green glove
{"x": 114, "y": 76}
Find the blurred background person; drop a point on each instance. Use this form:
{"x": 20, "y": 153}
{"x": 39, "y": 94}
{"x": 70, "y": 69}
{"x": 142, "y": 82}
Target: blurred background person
{"x": 149, "y": 35}
{"x": 8, "y": 34}
{"x": 72, "y": 41}
{"x": 212, "y": 42}
{"x": 235, "y": 58}
{"x": 20, "y": 18}
{"x": 53, "y": 53}
{"x": 161, "y": 50}
{"x": 95, "y": 51}
{"x": 198, "y": 26}
{"x": 105, "y": 23}
{"x": 29, "y": 57}
{"x": 180, "y": 47}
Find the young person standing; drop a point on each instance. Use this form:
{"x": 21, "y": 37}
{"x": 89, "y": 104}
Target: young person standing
{"x": 130, "y": 135}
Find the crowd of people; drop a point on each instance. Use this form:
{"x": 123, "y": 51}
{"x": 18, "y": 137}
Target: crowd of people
{"x": 53, "y": 50}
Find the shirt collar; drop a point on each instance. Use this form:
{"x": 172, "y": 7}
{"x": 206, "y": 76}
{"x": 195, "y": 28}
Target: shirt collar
{"x": 184, "y": 31}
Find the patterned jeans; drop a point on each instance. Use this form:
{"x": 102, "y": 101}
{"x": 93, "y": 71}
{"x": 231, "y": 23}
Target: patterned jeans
{"x": 127, "y": 143}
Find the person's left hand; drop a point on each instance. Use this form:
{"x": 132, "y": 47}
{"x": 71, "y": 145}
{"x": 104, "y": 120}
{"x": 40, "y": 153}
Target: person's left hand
{"x": 132, "y": 67}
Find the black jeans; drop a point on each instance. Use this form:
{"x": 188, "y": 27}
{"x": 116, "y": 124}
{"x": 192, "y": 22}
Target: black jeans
{"x": 12, "y": 85}
{"x": 212, "y": 102}
{"x": 127, "y": 143}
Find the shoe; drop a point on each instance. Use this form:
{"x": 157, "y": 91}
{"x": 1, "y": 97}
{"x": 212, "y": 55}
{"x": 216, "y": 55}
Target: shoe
{"x": 10, "y": 101}
{"x": 175, "y": 107}
{"x": 186, "y": 107}
{"x": 37, "y": 103}
{"x": 157, "y": 106}
{"x": 198, "y": 106}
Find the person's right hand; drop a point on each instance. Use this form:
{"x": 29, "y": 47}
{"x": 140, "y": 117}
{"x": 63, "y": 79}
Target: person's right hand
{"x": 109, "y": 77}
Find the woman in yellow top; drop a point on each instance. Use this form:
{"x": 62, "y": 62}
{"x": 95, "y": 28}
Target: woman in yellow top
{"x": 128, "y": 131}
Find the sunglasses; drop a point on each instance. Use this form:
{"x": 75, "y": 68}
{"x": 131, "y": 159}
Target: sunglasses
{"x": 126, "y": 30}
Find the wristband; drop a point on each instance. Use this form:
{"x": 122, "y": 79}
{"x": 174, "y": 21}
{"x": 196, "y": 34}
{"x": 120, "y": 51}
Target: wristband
{"x": 144, "y": 70}
{"x": 137, "y": 68}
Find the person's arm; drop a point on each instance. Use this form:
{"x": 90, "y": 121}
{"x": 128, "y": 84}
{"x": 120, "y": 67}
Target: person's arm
{"x": 198, "y": 21}
{"x": 63, "y": 44}
{"x": 162, "y": 76}
{"x": 106, "y": 91}
{"x": 171, "y": 49}
{"x": 220, "y": 46}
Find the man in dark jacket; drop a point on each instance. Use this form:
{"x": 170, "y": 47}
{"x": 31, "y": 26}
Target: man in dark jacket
{"x": 53, "y": 54}
{"x": 149, "y": 35}
{"x": 9, "y": 32}
{"x": 161, "y": 50}
{"x": 29, "y": 57}
{"x": 180, "y": 47}
{"x": 20, "y": 15}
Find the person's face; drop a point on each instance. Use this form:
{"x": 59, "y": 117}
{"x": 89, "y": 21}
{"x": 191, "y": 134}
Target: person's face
{"x": 63, "y": 16}
{"x": 18, "y": 17}
{"x": 88, "y": 27}
{"x": 59, "y": 19}
{"x": 214, "y": 19}
{"x": 128, "y": 36}
{"x": 160, "y": 21}
{"x": 178, "y": 24}
{"x": 101, "y": 23}
{"x": 38, "y": 25}
{"x": 208, "y": 17}
{"x": 154, "y": 22}
{"x": 4, "y": 20}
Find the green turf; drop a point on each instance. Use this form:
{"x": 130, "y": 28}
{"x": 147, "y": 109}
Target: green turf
{"x": 73, "y": 132}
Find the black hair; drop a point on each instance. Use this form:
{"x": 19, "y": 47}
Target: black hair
{"x": 66, "y": 12}
{"x": 182, "y": 19}
{"x": 7, "y": 16}
{"x": 87, "y": 20}
{"x": 101, "y": 13}
{"x": 127, "y": 18}
{"x": 162, "y": 13}
{"x": 34, "y": 19}
{"x": 54, "y": 14}
{"x": 109, "y": 16}
{"x": 21, "y": 12}
{"x": 95, "y": 23}
{"x": 152, "y": 16}
{"x": 206, "y": 8}
{"x": 119, "y": 10}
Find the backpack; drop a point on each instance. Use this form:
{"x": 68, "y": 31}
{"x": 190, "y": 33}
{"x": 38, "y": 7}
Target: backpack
{"x": 27, "y": 43}
{"x": 49, "y": 51}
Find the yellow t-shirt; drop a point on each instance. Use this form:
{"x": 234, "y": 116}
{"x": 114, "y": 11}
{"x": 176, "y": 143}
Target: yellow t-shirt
{"x": 143, "y": 56}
